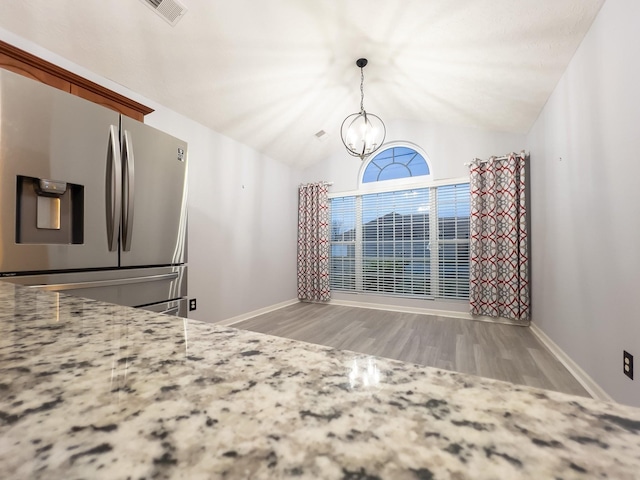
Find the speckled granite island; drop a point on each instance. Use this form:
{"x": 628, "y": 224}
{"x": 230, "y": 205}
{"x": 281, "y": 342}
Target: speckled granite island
{"x": 92, "y": 390}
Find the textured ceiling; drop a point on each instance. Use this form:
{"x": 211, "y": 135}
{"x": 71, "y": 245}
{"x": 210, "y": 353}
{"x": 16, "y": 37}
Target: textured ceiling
{"x": 272, "y": 73}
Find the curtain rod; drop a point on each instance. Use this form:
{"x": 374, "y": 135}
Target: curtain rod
{"x": 328, "y": 184}
{"x": 503, "y": 157}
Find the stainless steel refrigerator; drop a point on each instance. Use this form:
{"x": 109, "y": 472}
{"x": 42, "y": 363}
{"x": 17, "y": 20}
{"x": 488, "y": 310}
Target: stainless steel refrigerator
{"x": 93, "y": 203}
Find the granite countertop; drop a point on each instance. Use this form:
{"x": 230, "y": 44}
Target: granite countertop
{"x": 93, "y": 390}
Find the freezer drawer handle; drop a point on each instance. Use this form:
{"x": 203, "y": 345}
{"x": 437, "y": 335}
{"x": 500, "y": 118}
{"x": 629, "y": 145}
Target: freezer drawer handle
{"x": 107, "y": 283}
{"x": 113, "y": 189}
{"x": 171, "y": 311}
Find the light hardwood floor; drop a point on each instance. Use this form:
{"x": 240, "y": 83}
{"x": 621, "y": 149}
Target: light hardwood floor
{"x": 503, "y": 352}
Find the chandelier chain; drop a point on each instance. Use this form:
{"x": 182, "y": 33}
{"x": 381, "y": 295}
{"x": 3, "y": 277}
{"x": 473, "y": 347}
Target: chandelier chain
{"x": 361, "y": 89}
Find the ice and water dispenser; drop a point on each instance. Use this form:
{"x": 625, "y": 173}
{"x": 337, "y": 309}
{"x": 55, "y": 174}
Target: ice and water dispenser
{"x": 49, "y": 211}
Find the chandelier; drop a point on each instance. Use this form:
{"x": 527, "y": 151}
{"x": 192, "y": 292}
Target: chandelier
{"x": 362, "y": 133}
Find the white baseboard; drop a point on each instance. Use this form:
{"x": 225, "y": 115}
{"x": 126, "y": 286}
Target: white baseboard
{"x": 578, "y": 373}
{"x": 424, "y": 311}
{"x": 261, "y": 311}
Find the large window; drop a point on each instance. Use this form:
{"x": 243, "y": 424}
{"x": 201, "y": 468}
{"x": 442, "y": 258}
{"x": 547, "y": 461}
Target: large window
{"x": 408, "y": 242}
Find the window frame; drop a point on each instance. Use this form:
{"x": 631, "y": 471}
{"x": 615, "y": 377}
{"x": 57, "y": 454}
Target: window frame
{"x": 407, "y": 186}
{"x": 384, "y": 186}
{"x": 398, "y": 183}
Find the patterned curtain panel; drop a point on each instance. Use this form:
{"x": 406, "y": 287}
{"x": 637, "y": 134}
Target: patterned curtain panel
{"x": 499, "y": 275}
{"x": 313, "y": 242}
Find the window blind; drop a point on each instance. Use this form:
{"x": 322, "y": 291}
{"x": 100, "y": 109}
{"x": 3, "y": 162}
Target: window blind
{"x": 343, "y": 243}
{"x": 412, "y": 243}
{"x": 453, "y": 240}
{"x": 395, "y": 242}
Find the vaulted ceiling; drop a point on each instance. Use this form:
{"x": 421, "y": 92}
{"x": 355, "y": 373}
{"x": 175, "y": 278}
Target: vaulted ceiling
{"x": 272, "y": 73}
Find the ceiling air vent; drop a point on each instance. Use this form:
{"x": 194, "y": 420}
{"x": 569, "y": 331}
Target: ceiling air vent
{"x": 321, "y": 135}
{"x": 171, "y": 10}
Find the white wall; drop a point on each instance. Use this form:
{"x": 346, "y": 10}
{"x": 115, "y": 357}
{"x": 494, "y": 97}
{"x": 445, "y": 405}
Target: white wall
{"x": 242, "y": 222}
{"x": 242, "y": 211}
{"x": 448, "y": 148}
{"x": 585, "y": 174}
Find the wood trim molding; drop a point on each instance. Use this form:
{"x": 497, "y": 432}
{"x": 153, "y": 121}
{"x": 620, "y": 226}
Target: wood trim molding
{"x": 70, "y": 77}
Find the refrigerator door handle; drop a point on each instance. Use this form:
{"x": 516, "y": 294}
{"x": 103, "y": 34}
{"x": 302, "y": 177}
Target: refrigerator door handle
{"x": 113, "y": 189}
{"x": 128, "y": 187}
{"x": 106, "y": 283}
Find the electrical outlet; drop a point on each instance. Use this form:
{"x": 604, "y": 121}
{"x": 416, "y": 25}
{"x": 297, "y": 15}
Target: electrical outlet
{"x": 628, "y": 364}
{"x": 192, "y": 304}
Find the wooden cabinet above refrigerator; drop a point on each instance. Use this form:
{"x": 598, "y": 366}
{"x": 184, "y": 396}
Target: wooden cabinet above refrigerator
{"x": 24, "y": 63}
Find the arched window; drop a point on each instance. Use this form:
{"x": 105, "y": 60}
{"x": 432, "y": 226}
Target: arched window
{"x": 395, "y": 163}
{"x": 401, "y": 233}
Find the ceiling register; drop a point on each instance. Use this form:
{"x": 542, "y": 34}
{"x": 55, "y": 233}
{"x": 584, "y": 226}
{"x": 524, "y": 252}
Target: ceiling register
{"x": 170, "y": 10}
{"x": 362, "y": 133}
